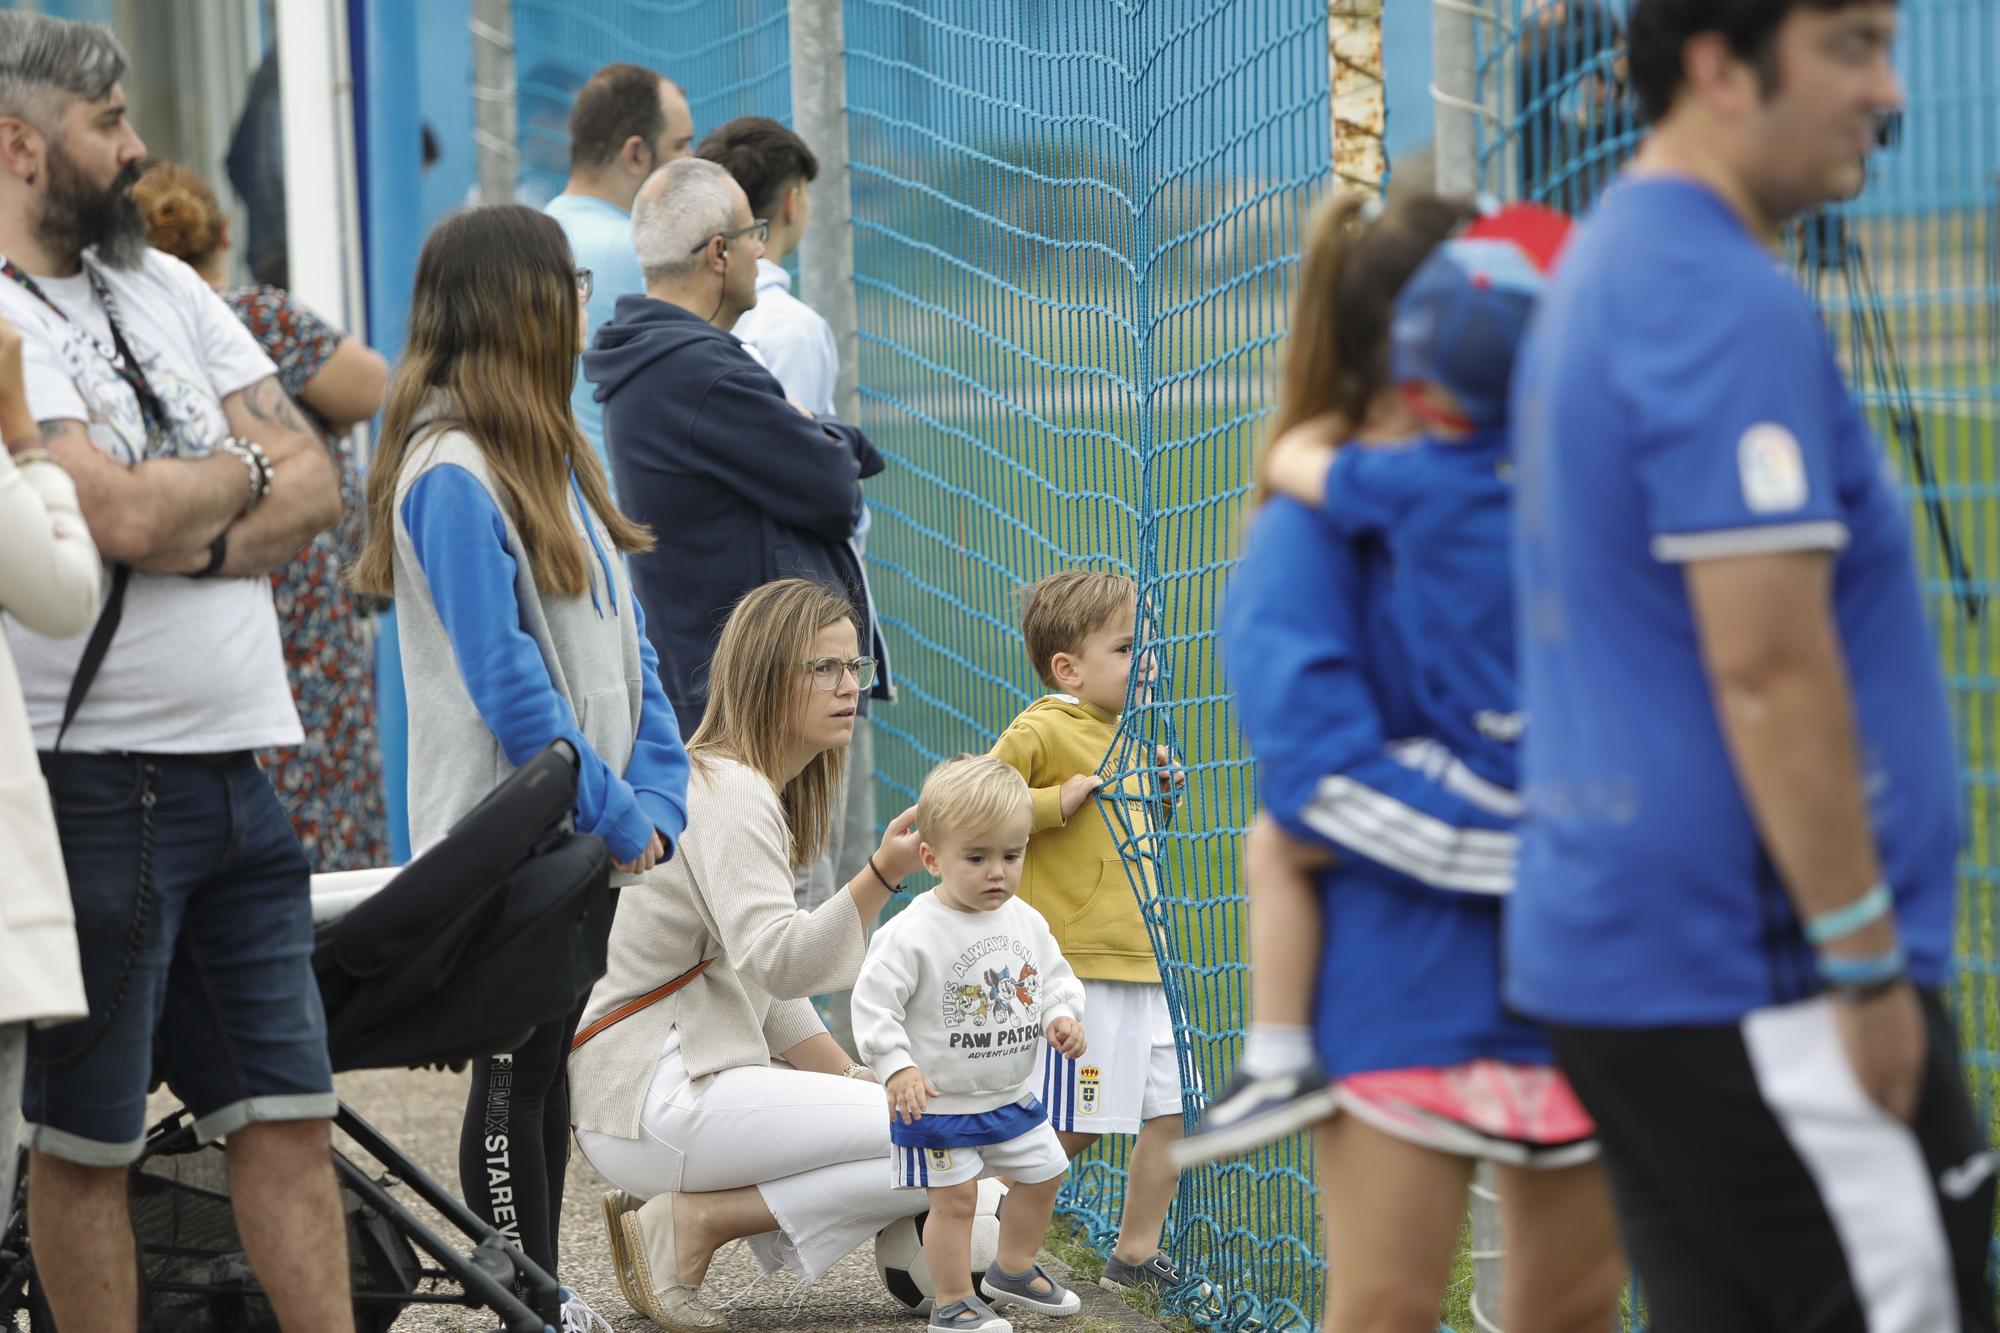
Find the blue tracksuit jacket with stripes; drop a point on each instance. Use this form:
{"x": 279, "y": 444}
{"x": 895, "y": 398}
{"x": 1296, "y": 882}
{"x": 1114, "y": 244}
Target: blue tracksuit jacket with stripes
{"x": 1410, "y": 960}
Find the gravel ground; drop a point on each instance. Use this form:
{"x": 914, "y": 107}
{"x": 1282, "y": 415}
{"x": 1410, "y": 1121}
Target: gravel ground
{"x": 419, "y": 1111}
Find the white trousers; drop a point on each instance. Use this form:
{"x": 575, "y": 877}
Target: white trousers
{"x": 815, "y": 1146}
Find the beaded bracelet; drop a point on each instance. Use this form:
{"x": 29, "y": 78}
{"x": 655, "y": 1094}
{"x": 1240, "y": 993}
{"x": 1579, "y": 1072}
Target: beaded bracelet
{"x": 259, "y": 466}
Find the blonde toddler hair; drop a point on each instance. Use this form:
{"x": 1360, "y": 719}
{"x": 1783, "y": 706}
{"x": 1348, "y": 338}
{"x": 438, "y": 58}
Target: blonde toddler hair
{"x": 968, "y": 796}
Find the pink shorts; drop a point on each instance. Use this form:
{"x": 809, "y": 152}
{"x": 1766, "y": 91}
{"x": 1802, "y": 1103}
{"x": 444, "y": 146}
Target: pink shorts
{"x": 1523, "y": 1115}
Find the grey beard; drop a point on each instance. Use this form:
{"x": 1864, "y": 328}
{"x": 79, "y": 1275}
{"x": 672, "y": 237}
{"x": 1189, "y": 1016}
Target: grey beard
{"x": 120, "y": 241}
{"x": 75, "y": 219}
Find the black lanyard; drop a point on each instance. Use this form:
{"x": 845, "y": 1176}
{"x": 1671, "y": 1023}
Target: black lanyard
{"x": 119, "y": 355}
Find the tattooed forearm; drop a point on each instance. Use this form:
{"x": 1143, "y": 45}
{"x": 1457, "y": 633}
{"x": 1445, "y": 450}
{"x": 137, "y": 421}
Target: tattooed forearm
{"x": 271, "y": 405}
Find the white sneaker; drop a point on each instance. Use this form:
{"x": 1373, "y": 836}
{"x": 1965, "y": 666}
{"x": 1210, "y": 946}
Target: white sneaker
{"x": 578, "y": 1317}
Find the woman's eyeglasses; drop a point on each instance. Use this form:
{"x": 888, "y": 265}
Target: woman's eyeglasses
{"x": 827, "y": 671}
{"x": 583, "y": 283}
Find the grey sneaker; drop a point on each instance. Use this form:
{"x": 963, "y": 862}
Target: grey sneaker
{"x": 1157, "y": 1275}
{"x": 968, "y": 1316}
{"x": 1033, "y": 1290}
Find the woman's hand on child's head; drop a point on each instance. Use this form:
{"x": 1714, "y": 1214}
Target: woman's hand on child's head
{"x": 1066, "y": 1036}
{"x": 909, "y": 1092}
{"x": 897, "y": 856}
{"x": 1077, "y": 790}
{"x": 656, "y": 852}
{"x": 1296, "y": 463}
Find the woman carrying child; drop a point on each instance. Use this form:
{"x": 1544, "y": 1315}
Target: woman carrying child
{"x": 1369, "y": 633}
{"x": 491, "y": 526}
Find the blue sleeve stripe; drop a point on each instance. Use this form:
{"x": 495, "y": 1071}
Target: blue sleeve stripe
{"x": 1405, "y": 839}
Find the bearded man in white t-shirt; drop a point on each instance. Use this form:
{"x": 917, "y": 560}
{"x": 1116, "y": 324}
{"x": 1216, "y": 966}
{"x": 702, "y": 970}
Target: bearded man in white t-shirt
{"x": 197, "y": 476}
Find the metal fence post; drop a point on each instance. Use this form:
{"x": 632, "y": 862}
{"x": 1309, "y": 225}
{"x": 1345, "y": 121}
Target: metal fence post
{"x": 1455, "y": 90}
{"x": 495, "y": 99}
{"x": 819, "y": 116}
{"x": 1360, "y": 108}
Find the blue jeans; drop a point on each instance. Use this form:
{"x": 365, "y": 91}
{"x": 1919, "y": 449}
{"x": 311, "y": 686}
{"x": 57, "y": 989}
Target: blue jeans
{"x": 194, "y": 920}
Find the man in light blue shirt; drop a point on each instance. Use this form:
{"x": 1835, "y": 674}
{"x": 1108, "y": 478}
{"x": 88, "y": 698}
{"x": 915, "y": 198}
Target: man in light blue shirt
{"x": 626, "y": 122}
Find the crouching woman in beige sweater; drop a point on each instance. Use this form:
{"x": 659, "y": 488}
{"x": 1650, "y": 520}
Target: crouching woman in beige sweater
{"x": 702, "y": 1083}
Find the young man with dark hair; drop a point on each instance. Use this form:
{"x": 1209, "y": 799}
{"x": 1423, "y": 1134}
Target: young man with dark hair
{"x": 774, "y": 167}
{"x": 626, "y": 122}
{"x": 1735, "y": 899}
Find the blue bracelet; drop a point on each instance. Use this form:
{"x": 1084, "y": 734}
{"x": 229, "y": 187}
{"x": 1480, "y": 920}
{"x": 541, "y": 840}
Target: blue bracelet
{"x": 1863, "y": 911}
{"x": 1863, "y": 971}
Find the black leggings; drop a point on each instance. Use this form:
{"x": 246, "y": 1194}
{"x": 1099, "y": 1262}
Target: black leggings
{"x": 513, "y": 1149}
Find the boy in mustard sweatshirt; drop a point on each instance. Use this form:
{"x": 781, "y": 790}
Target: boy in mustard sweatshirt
{"x": 1079, "y": 626}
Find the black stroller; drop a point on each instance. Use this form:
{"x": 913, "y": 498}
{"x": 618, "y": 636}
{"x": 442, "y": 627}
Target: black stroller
{"x": 497, "y": 929}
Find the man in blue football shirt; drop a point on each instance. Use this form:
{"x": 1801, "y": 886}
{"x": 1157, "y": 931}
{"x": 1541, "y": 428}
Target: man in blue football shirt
{"x": 1736, "y": 885}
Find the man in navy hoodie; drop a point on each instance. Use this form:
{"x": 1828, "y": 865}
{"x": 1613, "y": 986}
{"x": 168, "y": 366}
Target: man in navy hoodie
{"x": 739, "y": 484}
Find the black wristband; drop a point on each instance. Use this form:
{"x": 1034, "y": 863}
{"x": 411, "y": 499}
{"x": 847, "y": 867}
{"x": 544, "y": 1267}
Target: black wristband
{"x": 218, "y": 551}
{"x": 1863, "y": 992}
{"x": 880, "y": 876}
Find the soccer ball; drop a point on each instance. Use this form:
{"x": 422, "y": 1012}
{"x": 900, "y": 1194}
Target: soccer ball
{"x": 899, "y": 1250}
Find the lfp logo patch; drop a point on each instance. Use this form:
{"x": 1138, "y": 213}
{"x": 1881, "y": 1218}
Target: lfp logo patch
{"x": 1089, "y": 1080}
{"x": 1771, "y": 469}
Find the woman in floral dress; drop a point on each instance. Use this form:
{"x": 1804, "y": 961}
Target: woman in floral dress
{"x": 332, "y": 784}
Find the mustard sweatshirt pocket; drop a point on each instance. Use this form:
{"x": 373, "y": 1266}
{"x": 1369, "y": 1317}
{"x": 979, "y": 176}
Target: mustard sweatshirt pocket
{"x": 1108, "y": 921}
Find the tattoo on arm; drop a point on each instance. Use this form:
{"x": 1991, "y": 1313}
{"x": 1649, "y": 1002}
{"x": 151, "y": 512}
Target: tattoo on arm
{"x": 64, "y": 428}
{"x": 271, "y": 405}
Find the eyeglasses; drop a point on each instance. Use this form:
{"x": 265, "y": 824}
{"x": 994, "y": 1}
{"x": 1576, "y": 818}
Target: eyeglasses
{"x": 583, "y": 283}
{"x": 761, "y": 228}
{"x": 827, "y": 671}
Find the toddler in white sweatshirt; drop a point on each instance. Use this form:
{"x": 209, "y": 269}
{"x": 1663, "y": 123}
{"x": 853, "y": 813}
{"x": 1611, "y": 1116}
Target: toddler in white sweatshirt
{"x": 955, "y": 994}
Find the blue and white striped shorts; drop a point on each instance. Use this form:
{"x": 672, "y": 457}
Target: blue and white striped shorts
{"x": 1029, "y": 1158}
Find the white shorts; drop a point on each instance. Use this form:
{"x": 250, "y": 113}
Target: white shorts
{"x": 1129, "y": 1074}
{"x": 1029, "y": 1158}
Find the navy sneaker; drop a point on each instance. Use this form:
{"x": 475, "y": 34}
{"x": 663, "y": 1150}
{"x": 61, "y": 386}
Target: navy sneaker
{"x": 1253, "y": 1112}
